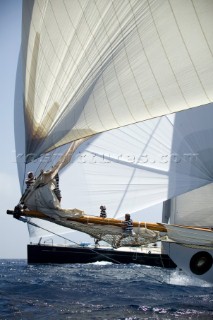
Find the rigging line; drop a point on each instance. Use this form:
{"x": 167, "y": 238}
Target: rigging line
{"x": 113, "y": 260}
{"x": 169, "y": 271}
{"x": 23, "y": 180}
{"x": 155, "y": 279}
{"x": 101, "y": 254}
{"x": 35, "y": 225}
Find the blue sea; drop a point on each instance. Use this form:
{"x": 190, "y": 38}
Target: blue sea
{"x": 100, "y": 291}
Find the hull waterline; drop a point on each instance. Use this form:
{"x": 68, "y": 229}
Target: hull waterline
{"x": 194, "y": 260}
{"x": 38, "y": 254}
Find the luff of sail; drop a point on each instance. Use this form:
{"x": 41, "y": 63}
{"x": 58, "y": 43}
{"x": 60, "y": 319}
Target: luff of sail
{"x": 96, "y": 65}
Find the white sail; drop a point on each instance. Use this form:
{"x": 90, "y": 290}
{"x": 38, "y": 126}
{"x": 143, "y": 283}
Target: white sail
{"x": 135, "y": 167}
{"x": 189, "y": 235}
{"x": 119, "y": 74}
{"x": 91, "y": 66}
{"x": 140, "y": 165}
{"x": 193, "y": 208}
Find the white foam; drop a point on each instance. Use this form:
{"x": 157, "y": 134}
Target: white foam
{"x": 178, "y": 277}
{"x": 101, "y": 263}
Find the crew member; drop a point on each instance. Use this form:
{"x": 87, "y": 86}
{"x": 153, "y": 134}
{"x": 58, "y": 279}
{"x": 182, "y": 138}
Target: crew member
{"x": 57, "y": 191}
{"x": 103, "y": 213}
{"x": 127, "y": 226}
{"x": 30, "y": 179}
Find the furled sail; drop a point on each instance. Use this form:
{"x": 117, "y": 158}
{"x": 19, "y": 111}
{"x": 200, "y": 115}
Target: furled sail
{"x": 91, "y": 66}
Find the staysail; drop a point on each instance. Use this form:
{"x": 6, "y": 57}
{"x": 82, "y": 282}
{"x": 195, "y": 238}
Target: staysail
{"x": 93, "y": 66}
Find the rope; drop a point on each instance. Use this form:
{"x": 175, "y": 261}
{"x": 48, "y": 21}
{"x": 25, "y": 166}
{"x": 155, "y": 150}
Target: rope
{"x": 35, "y": 225}
{"x": 161, "y": 260}
{"x": 113, "y": 260}
{"x": 155, "y": 279}
{"x": 169, "y": 270}
{"x": 23, "y": 181}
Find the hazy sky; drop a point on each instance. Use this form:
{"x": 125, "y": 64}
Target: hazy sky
{"x": 13, "y": 234}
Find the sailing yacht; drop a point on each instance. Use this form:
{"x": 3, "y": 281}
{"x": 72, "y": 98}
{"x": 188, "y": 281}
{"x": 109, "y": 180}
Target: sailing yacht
{"x": 193, "y": 208}
{"x": 117, "y": 96}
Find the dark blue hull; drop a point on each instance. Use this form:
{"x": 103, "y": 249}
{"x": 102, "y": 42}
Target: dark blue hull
{"x": 61, "y": 254}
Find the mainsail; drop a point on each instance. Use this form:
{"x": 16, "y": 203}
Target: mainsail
{"x": 98, "y": 69}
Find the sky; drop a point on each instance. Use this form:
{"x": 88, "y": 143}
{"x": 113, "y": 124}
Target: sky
{"x": 14, "y": 235}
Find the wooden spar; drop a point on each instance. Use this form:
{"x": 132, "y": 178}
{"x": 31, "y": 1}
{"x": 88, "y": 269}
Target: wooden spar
{"x": 91, "y": 219}
{"x": 98, "y": 220}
